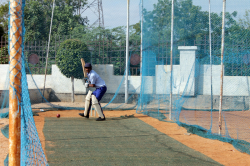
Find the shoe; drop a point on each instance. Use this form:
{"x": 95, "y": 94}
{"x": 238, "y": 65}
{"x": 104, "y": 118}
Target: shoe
{"x": 100, "y": 119}
{"x": 82, "y": 114}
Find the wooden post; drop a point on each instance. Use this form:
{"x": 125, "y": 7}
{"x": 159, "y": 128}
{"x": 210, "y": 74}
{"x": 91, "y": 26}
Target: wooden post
{"x": 15, "y": 35}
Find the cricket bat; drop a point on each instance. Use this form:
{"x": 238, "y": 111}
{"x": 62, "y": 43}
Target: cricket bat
{"x": 84, "y": 72}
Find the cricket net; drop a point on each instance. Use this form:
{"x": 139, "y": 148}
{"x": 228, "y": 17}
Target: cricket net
{"x": 183, "y": 66}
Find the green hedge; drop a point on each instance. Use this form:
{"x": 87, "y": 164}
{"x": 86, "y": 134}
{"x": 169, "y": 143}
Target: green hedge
{"x": 4, "y": 57}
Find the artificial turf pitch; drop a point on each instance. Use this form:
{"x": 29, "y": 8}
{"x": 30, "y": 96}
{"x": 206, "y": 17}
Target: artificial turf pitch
{"x": 116, "y": 141}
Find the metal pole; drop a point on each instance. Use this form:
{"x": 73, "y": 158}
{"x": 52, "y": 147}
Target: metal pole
{"x": 15, "y": 48}
{"x": 47, "y": 54}
{"x": 141, "y": 63}
{"x": 171, "y": 59}
{"x": 127, "y": 55}
{"x": 99, "y": 16}
{"x": 210, "y": 51}
{"x": 141, "y": 37}
{"x": 222, "y": 65}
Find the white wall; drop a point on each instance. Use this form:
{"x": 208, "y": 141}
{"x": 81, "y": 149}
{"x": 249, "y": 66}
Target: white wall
{"x": 163, "y": 79}
{"x": 182, "y": 74}
{"x": 232, "y": 85}
{"x": 4, "y": 77}
{"x": 61, "y": 84}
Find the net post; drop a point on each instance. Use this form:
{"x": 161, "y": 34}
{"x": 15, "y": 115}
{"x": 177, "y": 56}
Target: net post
{"x": 222, "y": 65}
{"x": 141, "y": 52}
{"x": 47, "y": 52}
{"x": 141, "y": 39}
{"x": 15, "y": 50}
{"x": 210, "y": 53}
{"x": 127, "y": 55}
{"x": 171, "y": 60}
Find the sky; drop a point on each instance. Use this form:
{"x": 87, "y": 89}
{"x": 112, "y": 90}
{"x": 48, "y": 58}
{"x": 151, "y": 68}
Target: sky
{"x": 115, "y": 11}
{"x": 231, "y": 5}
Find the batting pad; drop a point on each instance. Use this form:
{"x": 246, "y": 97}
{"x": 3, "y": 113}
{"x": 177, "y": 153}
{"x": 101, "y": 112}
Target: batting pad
{"x": 116, "y": 141}
{"x": 87, "y": 102}
{"x": 97, "y": 107}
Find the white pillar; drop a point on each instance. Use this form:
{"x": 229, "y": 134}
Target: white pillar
{"x": 188, "y": 69}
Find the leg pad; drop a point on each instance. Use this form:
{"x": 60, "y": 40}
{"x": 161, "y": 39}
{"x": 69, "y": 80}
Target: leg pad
{"x": 87, "y": 103}
{"x": 96, "y": 105}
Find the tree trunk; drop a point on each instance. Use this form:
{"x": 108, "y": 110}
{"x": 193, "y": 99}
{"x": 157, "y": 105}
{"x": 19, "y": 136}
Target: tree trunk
{"x": 73, "y": 93}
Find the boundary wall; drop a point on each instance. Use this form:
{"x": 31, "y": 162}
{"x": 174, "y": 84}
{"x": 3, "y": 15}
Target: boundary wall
{"x": 189, "y": 75}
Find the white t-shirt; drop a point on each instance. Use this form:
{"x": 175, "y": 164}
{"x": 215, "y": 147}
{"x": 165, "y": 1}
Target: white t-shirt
{"x": 94, "y": 78}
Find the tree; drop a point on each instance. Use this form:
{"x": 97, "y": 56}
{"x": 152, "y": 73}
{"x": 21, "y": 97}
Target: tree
{"x": 4, "y": 9}
{"x": 1, "y": 32}
{"x": 191, "y": 24}
{"x": 36, "y": 21}
{"x": 189, "y": 21}
{"x": 4, "y": 55}
{"x": 38, "y": 17}
{"x": 245, "y": 22}
{"x": 108, "y": 45}
{"x": 69, "y": 57}
{"x": 244, "y": 27}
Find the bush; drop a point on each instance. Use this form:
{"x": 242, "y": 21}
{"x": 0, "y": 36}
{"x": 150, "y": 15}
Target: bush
{"x": 68, "y": 58}
{"x": 4, "y": 57}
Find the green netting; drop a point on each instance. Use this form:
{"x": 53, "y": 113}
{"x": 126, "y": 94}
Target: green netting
{"x": 185, "y": 88}
{"x": 5, "y": 131}
{"x": 31, "y": 152}
{"x": 6, "y": 160}
{"x": 193, "y": 91}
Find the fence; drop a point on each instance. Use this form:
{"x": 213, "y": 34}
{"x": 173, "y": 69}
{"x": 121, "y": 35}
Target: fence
{"x": 105, "y": 52}
{"x": 102, "y": 52}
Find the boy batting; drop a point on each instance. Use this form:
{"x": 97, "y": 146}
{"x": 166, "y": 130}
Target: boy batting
{"x": 93, "y": 98}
